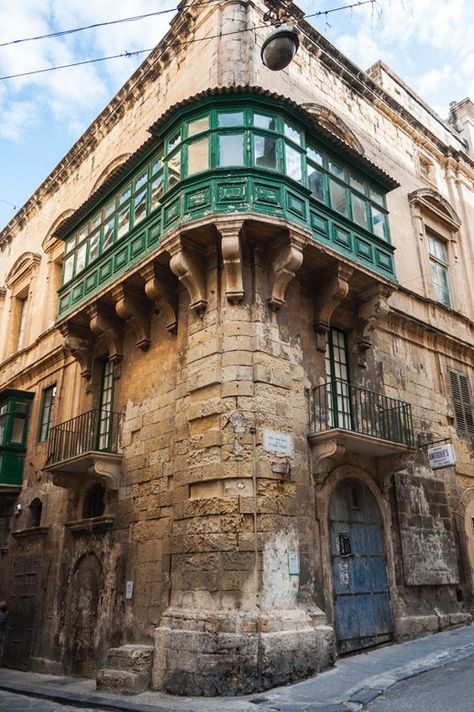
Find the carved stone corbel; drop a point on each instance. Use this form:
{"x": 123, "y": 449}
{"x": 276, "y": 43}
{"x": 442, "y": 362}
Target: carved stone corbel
{"x": 372, "y": 310}
{"x": 325, "y": 454}
{"x": 133, "y": 310}
{"x": 160, "y": 290}
{"x": 334, "y": 287}
{"x": 390, "y": 464}
{"x": 286, "y": 261}
{"x": 232, "y": 260}
{"x": 106, "y": 325}
{"x": 78, "y": 342}
{"x": 189, "y": 266}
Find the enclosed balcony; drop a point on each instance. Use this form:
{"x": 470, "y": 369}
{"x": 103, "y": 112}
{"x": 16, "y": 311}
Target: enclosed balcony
{"x": 358, "y": 420}
{"x": 85, "y": 446}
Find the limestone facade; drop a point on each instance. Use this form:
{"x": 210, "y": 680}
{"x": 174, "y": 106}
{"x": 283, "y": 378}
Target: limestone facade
{"x": 234, "y": 476}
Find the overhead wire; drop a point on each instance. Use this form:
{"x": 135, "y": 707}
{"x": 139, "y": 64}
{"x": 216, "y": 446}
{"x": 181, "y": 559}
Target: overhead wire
{"x": 62, "y": 33}
{"x": 174, "y": 43}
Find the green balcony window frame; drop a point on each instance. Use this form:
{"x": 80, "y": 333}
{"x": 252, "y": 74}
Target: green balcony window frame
{"x": 201, "y": 122}
{"x": 14, "y": 413}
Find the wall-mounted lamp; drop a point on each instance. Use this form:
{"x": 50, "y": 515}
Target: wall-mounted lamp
{"x": 280, "y": 47}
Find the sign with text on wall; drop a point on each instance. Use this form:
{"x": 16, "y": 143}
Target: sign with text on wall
{"x": 278, "y": 443}
{"x": 441, "y": 456}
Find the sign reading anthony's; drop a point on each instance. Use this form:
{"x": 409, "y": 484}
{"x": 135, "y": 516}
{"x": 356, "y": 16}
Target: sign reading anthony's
{"x": 441, "y": 456}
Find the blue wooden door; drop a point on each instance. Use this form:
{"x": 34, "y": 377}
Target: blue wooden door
{"x": 362, "y": 608}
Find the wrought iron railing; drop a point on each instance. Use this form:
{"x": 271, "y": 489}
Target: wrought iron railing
{"x": 96, "y": 430}
{"x": 338, "y": 404}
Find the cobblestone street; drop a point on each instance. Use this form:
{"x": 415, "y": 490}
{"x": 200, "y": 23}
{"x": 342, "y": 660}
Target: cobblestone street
{"x": 20, "y": 703}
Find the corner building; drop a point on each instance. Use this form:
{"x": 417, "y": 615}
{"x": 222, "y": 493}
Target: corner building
{"x": 235, "y": 317}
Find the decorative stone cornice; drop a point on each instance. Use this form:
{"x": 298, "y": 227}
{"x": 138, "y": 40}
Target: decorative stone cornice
{"x": 106, "y": 325}
{"x": 333, "y": 288}
{"x": 428, "y": 200}
{"x": 134, "y": 310}
{"x": 373, "y": 308}
{"x": 25, "y": 265}
{"x": 286, "y": 260}
{"x": 162, "y": 291}
{"x": 78, "y": 342}
{"x": 188, "y": 264}
{"x": 230, "y": 233}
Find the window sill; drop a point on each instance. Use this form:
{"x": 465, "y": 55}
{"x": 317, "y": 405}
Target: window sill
{"x": 30, "y": 532}
{"x": 90, "y": 526}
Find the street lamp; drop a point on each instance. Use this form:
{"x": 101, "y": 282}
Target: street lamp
{"x": 280, "y": 47}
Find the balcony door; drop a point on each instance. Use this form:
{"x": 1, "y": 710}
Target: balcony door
{"x": 337, "y": 381}
{"x": 106, "y": 405}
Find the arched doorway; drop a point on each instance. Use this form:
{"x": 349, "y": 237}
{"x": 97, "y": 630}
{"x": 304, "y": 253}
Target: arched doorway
{"x": 82, "y": 617}
{"x": 362, "y": 614}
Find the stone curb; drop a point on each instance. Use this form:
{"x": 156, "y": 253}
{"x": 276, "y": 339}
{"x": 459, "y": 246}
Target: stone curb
{"x": 77, "y": 699}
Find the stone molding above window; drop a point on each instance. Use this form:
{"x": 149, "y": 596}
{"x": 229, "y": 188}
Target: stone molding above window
{"x": 436, "y": 221}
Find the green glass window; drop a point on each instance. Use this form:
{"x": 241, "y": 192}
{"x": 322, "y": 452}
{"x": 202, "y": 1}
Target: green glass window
{"x": 378, "y": 222}
{"x": 316, "y": 180}
{"x": 46, "y": 414}
{"x": 173, "y": 142}
{"x": 293, "y": 163}
{"x": 314, "y": 156}
{"x": 198, "y": 156}
{"x": 139, "y": 206}
{"x": 262, "y": 121}
{"x": 359, "y": 211}
{"x": 357, "y": 184}
{"x": 232, "y": 118}
{"x": 264, "y": 151}
{"x": 293, "y": 133}
{"x": 439, "y": 269}
{"x": 231, "y": 150}
{"x": 106, "y": 402}
{"x": 174, "y": 169}
{"x": 336, "y": 169}
{"x": 198, "y": 126}
{"x": 337, "y": 194}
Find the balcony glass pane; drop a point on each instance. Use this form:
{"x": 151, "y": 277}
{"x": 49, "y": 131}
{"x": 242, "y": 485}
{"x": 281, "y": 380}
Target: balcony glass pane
{"x": 234, "y": 118}
{"x": 316, "y": 182}
{"x": 68, "y": 268}
{"x": 81, "y": 257}
{"x": 123, "y": 221}
{"x": 378, "y": 220}
{"x": 314, "y": 156}
{"x": 3, "y": 420}
{"x": 198, "y": 156}
{"x": 109, "y": 233}
{"x": 231, "y": 150}
{"x": 125, "y": 195}
{"x": 195, "y": 127}
{"x": 336, "y": 169}
{"x": 264, "y": 122}
{"x": 18, "y": 429}
{"x": 141, "y": 180}
{"x": 94, "y": 246}
{"x": 156, "y": 190}
{"x": 265, "y": 152}
{"x": 293, "y": 163}
{"x": 293, "y": 133}
{"x": 174, "y": 142}
{"x": 174, "y": 169}
{"x": 359, "y": 212}
{"x": 140, "y": 207}
{"x": 338, "y": 196}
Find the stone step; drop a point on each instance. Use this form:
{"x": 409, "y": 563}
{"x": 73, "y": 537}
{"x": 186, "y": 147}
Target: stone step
{"x": 132, "y": 658}
{"x": 121, "y": 682}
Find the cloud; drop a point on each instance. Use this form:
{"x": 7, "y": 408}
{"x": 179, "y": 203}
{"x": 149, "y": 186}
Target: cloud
{"x": 70, "y": 96}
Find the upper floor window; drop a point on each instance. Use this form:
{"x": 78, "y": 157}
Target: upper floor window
{"x": 46, "y": 415}
{"x": 439, "y": 269}
{"x": 222, "y": 138}
{"x": 462, "y": 403}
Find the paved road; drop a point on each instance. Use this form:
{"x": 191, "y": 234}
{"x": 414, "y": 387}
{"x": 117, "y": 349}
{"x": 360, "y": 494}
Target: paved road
{"x": 447, "y": 689}
{"x": 19, "y": 703}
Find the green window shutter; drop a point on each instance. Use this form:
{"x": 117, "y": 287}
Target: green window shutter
{"x": 462, "y": 403}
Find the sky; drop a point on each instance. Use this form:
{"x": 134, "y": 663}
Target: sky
{"x": 427, "y": 42}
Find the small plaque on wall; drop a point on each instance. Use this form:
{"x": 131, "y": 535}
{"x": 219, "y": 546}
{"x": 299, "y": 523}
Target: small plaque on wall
{"x": 278, "y": 443}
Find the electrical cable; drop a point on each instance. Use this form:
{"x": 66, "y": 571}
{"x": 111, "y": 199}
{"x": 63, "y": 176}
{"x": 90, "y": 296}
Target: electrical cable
{"x": 61, "y": 33}
{"x": 172, "y": 44}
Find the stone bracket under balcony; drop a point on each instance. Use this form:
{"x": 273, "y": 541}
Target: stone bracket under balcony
{"x": 331, "y": 447}
{"x": 104, "y": 466}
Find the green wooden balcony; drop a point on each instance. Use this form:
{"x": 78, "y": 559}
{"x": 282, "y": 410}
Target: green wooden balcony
{"x": 243, "y": 154}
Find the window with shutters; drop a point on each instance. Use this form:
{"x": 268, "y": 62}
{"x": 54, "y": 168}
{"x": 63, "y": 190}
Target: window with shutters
{"x": 462, "y": 403}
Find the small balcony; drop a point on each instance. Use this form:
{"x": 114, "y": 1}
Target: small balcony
{"x": 359, "y": 420}
{"x": 85, "y": 446}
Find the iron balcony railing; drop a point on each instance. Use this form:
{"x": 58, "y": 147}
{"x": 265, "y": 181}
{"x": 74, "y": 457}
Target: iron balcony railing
{"x": 338, "y": 404}
{"x": 96, "y": 430}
